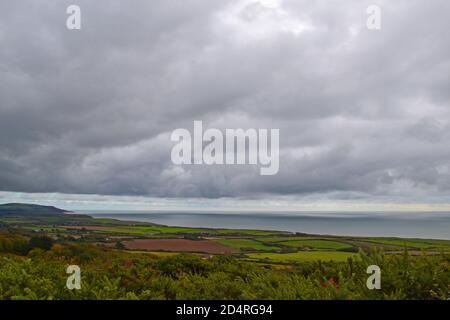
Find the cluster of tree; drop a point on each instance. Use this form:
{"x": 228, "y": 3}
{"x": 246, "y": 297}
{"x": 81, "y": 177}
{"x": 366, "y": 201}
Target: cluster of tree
{"x": 113, "y": 274}
{"x": 21, "y": 246}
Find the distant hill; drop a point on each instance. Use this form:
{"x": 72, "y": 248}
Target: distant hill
{"x": 29, "y": 209}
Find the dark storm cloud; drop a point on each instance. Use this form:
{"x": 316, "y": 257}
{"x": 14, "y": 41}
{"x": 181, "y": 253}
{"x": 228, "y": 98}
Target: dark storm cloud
{"x": 361, "y": 113}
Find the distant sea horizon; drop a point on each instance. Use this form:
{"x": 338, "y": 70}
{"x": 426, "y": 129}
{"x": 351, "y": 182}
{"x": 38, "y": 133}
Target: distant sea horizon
{"x": 426, "y": 225}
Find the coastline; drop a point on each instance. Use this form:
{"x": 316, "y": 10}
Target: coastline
{"x": 368, "y": 225}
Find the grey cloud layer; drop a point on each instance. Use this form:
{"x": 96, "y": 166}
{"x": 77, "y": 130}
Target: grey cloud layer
{"x": 360, "y": 113}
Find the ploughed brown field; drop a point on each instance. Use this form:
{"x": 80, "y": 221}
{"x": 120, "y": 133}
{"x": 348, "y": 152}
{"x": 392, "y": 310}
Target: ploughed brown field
{"x": 178, "y": 245}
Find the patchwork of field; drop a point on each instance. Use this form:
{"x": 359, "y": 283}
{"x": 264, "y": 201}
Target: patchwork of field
{"x": 157, "y": 230}
{"x": 178, "y": 245}
{"x": 410, "y": 243}
{"x": 304, "y": 256}
{"x": 316, "y": 244}
{"x": 247, "y": 244}
{"x": 262, "y": 246}
{"x": 255, "y": 245}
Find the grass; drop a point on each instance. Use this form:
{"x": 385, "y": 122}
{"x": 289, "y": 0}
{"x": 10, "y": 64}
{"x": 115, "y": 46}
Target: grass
{"x": 148, "y": 230}
{"x": 246, "y": 244}
{"x": 282, "y": 239}
{"x": 157, "y": 254}
{"x": 304, "y": 256}
{"x": 411, "y": 243}
{"x": 46, "y": 229}
{"x": 155, "y": 230}
{"x": 247, "y": 232}
{"x": 244, "y": 239}
{"x": 316, "y": 244}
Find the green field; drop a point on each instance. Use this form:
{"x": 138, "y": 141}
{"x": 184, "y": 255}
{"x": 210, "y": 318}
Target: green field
{"x": 410, "y": 243}
{"x": 74, "y": 227}
{"x": 316, "y": 244}
{"x": 285, "y": 238}
{"x": 304, "y": 256}
{"x": 171, "y": 262}
{"x": 247, "y": 244}
{"x": 150, "y": 230}
{"x": 158, "y": 229}
{"x": 247, "y": 232}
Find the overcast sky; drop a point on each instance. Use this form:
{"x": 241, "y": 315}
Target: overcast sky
{"x": 364, "y": 115}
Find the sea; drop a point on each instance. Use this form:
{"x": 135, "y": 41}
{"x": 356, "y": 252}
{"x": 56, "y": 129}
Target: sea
{"x": 426, "y": 225}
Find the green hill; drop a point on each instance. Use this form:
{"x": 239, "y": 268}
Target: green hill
{"x": 20, "y": 209}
